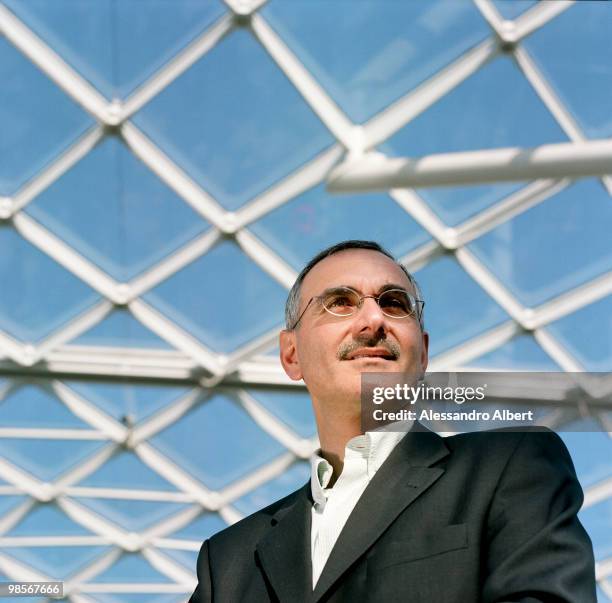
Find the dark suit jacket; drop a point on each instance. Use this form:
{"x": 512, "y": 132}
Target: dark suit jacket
{"x": 486, "y": 517}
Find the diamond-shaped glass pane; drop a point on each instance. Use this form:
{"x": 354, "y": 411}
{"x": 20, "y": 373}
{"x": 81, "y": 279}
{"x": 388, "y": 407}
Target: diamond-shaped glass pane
{"x": 201, "y": 528}
{"x": 292, "y": 407}
{"x": 48, "y": 520}
{"x": 587, "y": 333}
{"x": 573, "y": 51}
{"x": 126, "y": 470}
{"x": 116, "y": 212}
{"x": 221, "y": 121}
{"x": 218, "y": 443}
{"x": 38, "y": 119}
{"x": 451, "y": 298}
{"x": 143, "y": 40}
{"x": 591, "y": 453}
{"x": 249, "y": 303}
{"x": 320, "y": 219}
{"x": 38, "y": 295}
{"x": 131, "y": 515}
{"x": 522, "y": 353}
{"x": 121, "y": 329}
{"x": 560, "y": 243}
{"x": 8, "y": 503}
{"x": 134, "y": 400}
{"x": 510, "y": 9}
{"x": 46, "y": 459}
{"x": 57, "y": 562}
{"x": 35, "y": 406}
{"x": 400, "y": 44}
{"x": 495, "y": 107}
{"x": 292, "y": 479}
{"x": 598, "y": 522}
{"x": 127, "y": 567}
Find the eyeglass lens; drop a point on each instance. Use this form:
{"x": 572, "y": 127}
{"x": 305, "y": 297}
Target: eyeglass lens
{"x": 395, "y": 303}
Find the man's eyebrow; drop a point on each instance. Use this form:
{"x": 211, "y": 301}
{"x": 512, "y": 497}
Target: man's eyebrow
{"x": 389, "y": 286}
{"x": 382, "y": 289}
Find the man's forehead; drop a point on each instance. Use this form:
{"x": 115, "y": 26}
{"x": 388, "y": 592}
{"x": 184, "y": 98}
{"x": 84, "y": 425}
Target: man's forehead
{"x": 353, "y": 267}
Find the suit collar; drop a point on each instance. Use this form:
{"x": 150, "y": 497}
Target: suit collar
{"x": 407, "y": 473}
{"x": 285, "y": 550}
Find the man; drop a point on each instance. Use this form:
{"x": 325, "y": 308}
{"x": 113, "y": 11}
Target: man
{"x": 389, "y": 516}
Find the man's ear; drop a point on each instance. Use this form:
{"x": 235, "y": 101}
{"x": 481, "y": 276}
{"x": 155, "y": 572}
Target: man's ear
{"x": 425, "y": 351}
{"x": 289, "y": 356}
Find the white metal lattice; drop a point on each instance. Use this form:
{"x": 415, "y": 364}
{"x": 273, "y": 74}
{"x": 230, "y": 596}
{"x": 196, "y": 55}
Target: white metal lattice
{"x": 192, "y": 362}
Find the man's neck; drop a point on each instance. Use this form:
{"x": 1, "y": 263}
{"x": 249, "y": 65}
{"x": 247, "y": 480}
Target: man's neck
{"x": 334, "y": 433}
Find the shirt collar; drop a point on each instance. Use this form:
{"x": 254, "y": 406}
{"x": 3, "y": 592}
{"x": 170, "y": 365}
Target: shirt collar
{"x": 374, "y": 446}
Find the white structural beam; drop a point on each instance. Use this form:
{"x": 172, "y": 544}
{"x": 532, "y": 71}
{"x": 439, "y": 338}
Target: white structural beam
{"x": 54, "y": 66}
{"x": 376, "y": 172}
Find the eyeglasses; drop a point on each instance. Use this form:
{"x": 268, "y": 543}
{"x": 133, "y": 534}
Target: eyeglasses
{"x": 343, "y": 301}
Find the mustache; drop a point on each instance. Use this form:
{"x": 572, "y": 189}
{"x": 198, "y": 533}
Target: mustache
{"x": 370, "y": 342}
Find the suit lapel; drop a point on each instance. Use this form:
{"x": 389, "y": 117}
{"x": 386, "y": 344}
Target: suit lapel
{"x": 284, "y": 551}
{"x": 402, "y": 478}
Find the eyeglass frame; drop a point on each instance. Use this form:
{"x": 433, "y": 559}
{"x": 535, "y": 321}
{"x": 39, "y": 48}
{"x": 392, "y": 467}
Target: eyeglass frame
{"x": 376, "y": 298}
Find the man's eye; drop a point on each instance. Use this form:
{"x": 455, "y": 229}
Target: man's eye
{"x": 339, "y": 301}
{"x": 397, "y": 302}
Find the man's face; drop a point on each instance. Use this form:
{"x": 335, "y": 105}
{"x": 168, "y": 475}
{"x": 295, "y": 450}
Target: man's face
{"x": 330, "y": 352}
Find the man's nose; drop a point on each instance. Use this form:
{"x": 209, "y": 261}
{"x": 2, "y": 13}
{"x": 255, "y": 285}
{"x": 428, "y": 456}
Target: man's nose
{"x": 369, "y": 318}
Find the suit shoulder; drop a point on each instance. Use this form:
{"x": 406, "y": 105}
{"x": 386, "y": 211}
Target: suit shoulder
{"x": 255, "y": 524}
{"x": 507, "y": 441}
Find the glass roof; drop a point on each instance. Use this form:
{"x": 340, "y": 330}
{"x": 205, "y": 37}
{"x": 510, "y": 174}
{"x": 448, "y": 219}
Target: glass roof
{"x": 162, "y": 181}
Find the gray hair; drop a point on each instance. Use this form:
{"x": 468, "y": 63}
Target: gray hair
{"x": 292, "y": 307}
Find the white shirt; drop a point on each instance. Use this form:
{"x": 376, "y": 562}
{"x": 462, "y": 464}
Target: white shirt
{"x": 363, "y": 456}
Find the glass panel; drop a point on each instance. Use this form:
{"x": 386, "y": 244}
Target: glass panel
{"x": 292, "y": 479}
{"x": 38, "y": 119}
{"x": 234, "y": 122}
{"x": 131, "y": 567}
{"x": 38, "y": 295}
{"x": 202, "y": 528}
{"x": 455, "y": 204}
{"x": 221, "y": 434}
{"x": 143, "y": 40}
{"x": 400, "y": 44}
{"x": 34, "y": 406}
{"x": 601, "y": 596}
{"x": 522, "y": 353}
{"x": 188, "y": 559}
{"x": 591, "y": 453}
{"x": 195, "y": 532}
{"x": 47, "y": 520}
{"x": 126, "y": 470}
{"x": 510, "y": 9}
{"x": 122, "y": 399}
{"x": 598, "y": 522}
{"x": 120, "y": 328}
{"x": 8, "y": 503}
{"x": 471, "y": 117}
{"x": 57, "y": 562}
{"x": 319, "y": 220}
{"x": 451, "y": 299}
{"x": 131, "y": 515}
{"x": 223, "y": 299}
{"x": 47, "y": 459}
{"x": 111, "y": 208}
{"x": 558, "y": 244}
{"x": 290, "y": 406}
{"x": 587, "y": 334}
{"x": 573, "y": 51}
